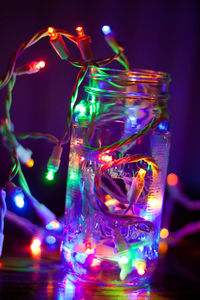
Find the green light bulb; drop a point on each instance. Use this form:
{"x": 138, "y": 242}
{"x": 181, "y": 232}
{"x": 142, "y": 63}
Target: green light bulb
{"x": 50, "y": 175}
{"x": 72, "y": 176}
{"x": 81, "y": 109}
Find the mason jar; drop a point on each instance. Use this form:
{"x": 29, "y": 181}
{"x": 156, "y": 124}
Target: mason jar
{"x": 116, "y": 177}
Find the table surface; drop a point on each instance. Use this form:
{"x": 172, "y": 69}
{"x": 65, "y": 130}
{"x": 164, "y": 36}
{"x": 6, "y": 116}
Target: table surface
{"x": 21, "y": 277}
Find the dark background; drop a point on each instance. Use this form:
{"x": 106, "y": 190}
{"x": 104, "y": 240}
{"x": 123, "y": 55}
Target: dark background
{"x": 158, "y": 35}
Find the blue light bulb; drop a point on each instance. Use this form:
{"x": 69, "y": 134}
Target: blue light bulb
{"x": 106, "y": 29}
{"x": 163, "y": 126}
{"x": 50, "y": 240}
{"x": 19, "y": 200}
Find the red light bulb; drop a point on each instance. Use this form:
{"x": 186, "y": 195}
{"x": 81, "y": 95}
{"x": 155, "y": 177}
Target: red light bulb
{"x": 40, "y": 65}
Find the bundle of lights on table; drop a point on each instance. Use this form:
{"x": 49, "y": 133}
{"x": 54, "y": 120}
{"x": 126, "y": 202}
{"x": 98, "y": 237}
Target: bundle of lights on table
{"x": 19, "y": 155}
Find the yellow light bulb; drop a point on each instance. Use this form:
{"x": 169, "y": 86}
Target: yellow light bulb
{"x": 164, "y": 233}
{"x": 35, "y": 247}
{"x": 141, "y": 173}
{"x": 141, "y": 266}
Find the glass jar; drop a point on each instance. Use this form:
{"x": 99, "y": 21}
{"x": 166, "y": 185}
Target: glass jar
{"x": 116, "y": 177}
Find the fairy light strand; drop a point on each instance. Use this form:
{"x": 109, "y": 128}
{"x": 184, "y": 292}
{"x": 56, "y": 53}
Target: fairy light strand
{"x": 10, "y": 139}
{"x": 174, "y": 237}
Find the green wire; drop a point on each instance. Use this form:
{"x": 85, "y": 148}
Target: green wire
{"x": 8, "y": 101}
{"x": 123, "y": 63}
{"x": 126, "y": 62}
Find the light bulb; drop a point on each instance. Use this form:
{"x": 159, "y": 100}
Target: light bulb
{"x": 40, "y": 65}
{"x": 172, "y": 179}
{"x": 163, "y": 126}
{"x": 52, "y": 34}
{"x": 58, "y": 43}
{"x": 15, "y": 193}
{"x": 164, "y": 233}
{"x": 83, "y": 42}
{"x": 35, "y": 247}
{"x": 80, "y": 31}
{"x": 123, "y": 260}
{"x": 30, "y": 68}
{"x": 141, "y": 266}
{"x": 50, "y": 240}
{"x": 50, "y": 175}
{"x": 54, "y": 162}
{"x": 141, "y": 173}
{"x": 106, "y": 29}
{"x": 53, "y": 225}
{"x": 19, "y": 200}
{"x": 30, "y": 163}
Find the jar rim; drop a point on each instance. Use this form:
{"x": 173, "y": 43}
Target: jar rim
{"x": 114, "y": 94}
{"x": 135, "y": 74}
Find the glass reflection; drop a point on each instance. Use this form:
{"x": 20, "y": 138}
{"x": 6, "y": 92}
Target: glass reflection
{"x": 71, "y": 289}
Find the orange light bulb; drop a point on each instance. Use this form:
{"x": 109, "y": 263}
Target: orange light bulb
{"x": 52, "y": 34}
{"x": 172, "y": 179}
{"x": 163, "y": 247}
{"x": 80, "y": 31}
{"x": 30, "y": 163}
{"x": 108, "y": 197}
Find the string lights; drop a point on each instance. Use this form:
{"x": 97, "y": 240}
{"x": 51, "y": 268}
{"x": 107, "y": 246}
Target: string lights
{"x": 58, "y": 43}
{"x": 54, "y": 162}
{"x": 84, "y": 42}
{"x": 15, "y": 193}
{"x": 11, "y": 139}
{"x": 106, "y": 201}
{"x": 30, "y": 68}
{"x": 111, "y": 39}
{"x": 115, "y": 45}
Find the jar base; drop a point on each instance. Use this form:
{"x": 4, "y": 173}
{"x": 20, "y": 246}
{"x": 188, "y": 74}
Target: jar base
{"x": 135, "y": 285}
{"x": 94, "y": 270}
